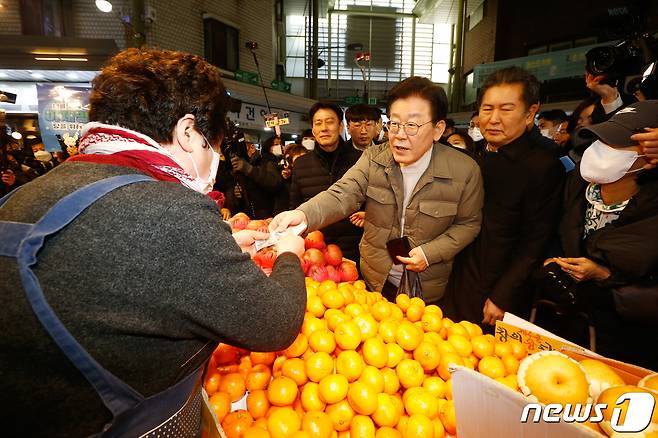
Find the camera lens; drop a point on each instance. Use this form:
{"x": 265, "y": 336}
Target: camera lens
{"x": 600, "y": 60}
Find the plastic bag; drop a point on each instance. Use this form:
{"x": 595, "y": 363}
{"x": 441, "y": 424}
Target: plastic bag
{"x": 410, "y": 284}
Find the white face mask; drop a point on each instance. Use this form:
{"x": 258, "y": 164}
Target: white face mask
{"x": 603, "y": 164}
{"x": 276, "y": 150}
{"x": 309, "y": 144}
{"x": 202, "y": 185}
{"x": 43, "y": 156}
{"x": 475, "y": 133}
{"x": 546, "y": 133}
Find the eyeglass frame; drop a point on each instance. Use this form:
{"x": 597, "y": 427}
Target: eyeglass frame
{"x": 368, "y": 124}
{"x": 404, "y": 126}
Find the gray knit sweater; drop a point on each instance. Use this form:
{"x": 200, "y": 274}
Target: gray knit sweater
{"x": 143, "y": 279}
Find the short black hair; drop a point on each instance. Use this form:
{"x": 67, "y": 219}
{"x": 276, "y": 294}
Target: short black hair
{"x": 307, "y": 133}
{"x": 362, "y": 112}
{"x": 450, "y": 123}
{"x": 326, "y": 105}
{"x": 425, "y": 89}
{"x": 555, "y": 116}
{"x": 513, "y": 75}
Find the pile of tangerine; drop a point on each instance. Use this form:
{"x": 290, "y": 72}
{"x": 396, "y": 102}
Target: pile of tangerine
{"x": 360, "y": 367}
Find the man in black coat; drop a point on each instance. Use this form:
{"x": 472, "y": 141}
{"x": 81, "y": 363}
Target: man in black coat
{"x": 523, "y": 185}
{"x": 316, "y": 171}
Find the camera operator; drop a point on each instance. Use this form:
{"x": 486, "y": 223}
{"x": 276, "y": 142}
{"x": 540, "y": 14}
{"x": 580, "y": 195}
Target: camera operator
{"x": 257, "y": 178}
{"x": 609, "y": 266}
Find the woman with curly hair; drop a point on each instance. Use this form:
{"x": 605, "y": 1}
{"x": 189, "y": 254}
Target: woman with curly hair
{"x": 118, "y": 275}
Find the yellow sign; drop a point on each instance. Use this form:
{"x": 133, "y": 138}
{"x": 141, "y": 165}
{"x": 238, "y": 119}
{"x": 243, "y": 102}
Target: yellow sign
{"x": 532, "y": 341}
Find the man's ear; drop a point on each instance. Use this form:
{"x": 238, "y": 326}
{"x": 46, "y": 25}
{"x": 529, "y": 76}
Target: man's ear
{"x": 532, "y": 112}
{"x": 183, "y": 132}
{"x": 439, "y": 128}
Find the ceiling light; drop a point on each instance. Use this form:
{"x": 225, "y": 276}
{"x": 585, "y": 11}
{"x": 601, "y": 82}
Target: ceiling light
{"x": 294, "y": 136}
{"x": 45, "y": 58}
{"x": 16, "y": 135}
{"x": 3, "y": 75}
{"x": 37, "y": 75}
{"x": 104, "y": 5}
{"x": 72, "y": 75}
{"x": 74, "y": 59}
{"x": 31, "y": 137}
{"x": 267, "y": 128}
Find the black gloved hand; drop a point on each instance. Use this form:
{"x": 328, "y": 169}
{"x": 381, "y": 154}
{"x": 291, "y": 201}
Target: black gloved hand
{"x": 241, "y": 165}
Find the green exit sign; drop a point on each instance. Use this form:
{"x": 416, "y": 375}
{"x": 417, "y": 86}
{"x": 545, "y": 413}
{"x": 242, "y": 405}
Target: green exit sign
{"x": 352, "y": 100}
{"x": 281, "y": 85}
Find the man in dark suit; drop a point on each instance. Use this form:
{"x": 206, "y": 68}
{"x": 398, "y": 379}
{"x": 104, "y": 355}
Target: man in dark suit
{"x": 523, "y": 189}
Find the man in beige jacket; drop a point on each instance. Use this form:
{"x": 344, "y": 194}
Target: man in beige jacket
{"x": 412, "y": 186}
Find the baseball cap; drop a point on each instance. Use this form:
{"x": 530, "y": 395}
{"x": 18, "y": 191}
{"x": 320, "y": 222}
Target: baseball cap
{"x": 627, "y": 121}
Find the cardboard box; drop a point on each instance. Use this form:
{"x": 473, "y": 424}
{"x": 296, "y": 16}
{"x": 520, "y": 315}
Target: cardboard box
{"x": 486, "y": 408}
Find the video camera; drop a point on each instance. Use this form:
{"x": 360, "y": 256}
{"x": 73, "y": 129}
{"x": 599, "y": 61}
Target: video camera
{"x": 234, "y": 144}
{"x": 620, "y": 62}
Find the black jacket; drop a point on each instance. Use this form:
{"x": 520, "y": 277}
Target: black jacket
{"x": 257, "y": 189}
{"x": 523, "y": 185}
{"x": 623, "y": 246}
{"x": 311, "y": 175}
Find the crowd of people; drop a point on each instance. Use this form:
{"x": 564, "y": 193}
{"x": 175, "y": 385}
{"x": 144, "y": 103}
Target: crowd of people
{"x": 121, "y": 278}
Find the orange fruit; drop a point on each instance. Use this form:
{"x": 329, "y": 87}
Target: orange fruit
{"x": 491, "y": 366}
{"x": 471, "y": 361}
{"x": 387, "y": 432}
{"x": 325, "y": 286}
{"x": 233, "y": 384}
{"x": 348, "y": 335}
{"x": 433, "y": 308}
{"x": 310, "y": 397}
{"x": 236, "y": 423}
{"x": 258, "y": 378}
{"x": 448, "y": 389}
{"x": 510, "y": 363}
{"x": 391, "y": 381}
{"x": 415, "y": 312}
{"x": 257, "y": 403}
{"x": 341, "y": 415}
{"x": 428, "y": 356}
{"x": 419, "y": 426}
{"x": 403, "y": 301}
{"x": 482, "y": 346}
{"x": 322, "y": 340}
{"x": 362, "y": 427}
{"x": 422, "y": 402}
{"x": 264, "y": 358}
{"x": 435, "y": 386}
{"x": 501, "y": 349}
{"x": 295, "y": 369}
{"x": 256, "y": 432}
{"x": 439, "y": 430}
{"x": 396, "y": 313}
{"x": 446, "y": 360}
{"x": 407, "y": 335}
{"x": 333, "y": 388}
{"x": 298, "y": 347}
{"x": 347, "y": 293}
{"x": 282, "y": 391}
{"x": 395, "y": 354}
{"x": 458, "y": 329}
{"x": 431, "y": 321}
{"x": 211, "y": 384}
{"x": 432, "y": 338}
{"x": 315, "y": 306}
{"x": 367, "y": 325}
{"x": 402, "y": 424}
{"x": 461, "y": 344}
{"x": 381, "y": 310}
{"x": 283, "y": 423}
{"x": 518, "y": 349}
{"x": 225, "y": 354}
{"x": 386, "y": 414}
{"x": 319, "y": 365}
{"x": 387, "y": 329}
{"x": 472, "y": 329}
{"x": 447, "y": 416}
{"x": 317, "y": 424}
{"x": 332, "y": 299}
{"x": 445, "y": 347}
{"x": 362, "y": 398}
{"x": 375, "y": 352}
{"x": 354, "y": 309}
{"x": 509, "y": 381}
{"x": 410, "y": 373}
{"x": 221, "y": 404}
{"x": 373, "y": 377}
{"x": 350, "y": 364}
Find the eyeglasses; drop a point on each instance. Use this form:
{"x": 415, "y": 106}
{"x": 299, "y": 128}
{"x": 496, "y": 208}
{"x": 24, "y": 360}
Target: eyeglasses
{"x": 410, "y": 128}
